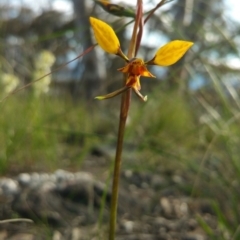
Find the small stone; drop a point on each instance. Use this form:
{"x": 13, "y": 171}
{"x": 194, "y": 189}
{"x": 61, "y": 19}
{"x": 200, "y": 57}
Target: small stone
{"x": 57, "y": 235}
{"x": 166, "y": 205}
{"x": 184, "y": 208}
{"x": 35, "y": 177}
{"x": 177, "y": 179}
{"x": 128, "y": 226}
{"x": 48, "y": 186}
{"x": 9, "y": 186}
{"x": 76, "y": 233}
{"x": 44, "y": 177}
{"x": 62, "y": 175}
{"x": 24, "y": 179}
{"x": 128, "y": 173}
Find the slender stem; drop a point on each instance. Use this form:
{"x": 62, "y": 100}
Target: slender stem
{"x": 140, "y": 25}
{"x": 132, "y": 51}
{"x": 151, "y": 12}
{"x": 125, "y": 103}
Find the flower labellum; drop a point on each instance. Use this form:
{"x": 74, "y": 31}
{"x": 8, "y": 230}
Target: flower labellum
{"x": 136, "y": 66}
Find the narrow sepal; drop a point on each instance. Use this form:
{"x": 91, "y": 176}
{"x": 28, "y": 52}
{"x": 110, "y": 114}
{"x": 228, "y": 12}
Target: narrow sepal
{"x": 113, "y": 94}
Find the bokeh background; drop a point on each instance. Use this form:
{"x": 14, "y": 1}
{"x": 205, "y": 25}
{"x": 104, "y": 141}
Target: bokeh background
{"x": 189, "y": 125}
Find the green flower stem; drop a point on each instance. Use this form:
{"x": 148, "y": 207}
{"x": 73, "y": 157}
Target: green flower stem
{"x": 125, "y": 103}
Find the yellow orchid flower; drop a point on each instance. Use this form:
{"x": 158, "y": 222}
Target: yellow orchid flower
{"x": 136, "y": 67}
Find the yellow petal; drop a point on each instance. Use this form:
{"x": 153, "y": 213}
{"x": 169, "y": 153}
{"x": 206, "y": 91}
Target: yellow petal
{"x": 105, "y": 36}
{"x": 170, "y": 53}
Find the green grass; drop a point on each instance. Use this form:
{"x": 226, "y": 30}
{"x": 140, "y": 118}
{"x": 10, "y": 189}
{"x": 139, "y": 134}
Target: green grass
{"x": 44, "y": 133}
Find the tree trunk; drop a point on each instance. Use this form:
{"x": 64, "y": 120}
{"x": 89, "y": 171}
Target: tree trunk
{"x": 94, "y": 69}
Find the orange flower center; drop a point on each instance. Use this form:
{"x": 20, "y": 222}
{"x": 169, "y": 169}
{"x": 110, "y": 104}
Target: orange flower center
{"x": 137, "y": 67}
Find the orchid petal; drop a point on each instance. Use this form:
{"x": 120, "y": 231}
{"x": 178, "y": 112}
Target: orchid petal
{"x": 105, "y": 36}
{"x": 170, "y": 53}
